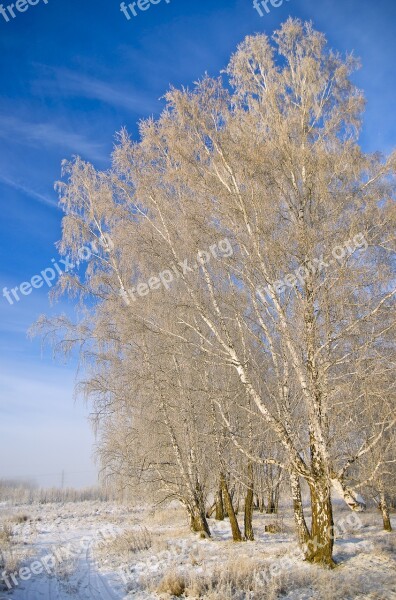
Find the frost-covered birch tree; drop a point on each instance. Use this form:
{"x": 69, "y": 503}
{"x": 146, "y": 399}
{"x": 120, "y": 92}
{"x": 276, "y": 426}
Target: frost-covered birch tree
{"x": 269, "y": 162}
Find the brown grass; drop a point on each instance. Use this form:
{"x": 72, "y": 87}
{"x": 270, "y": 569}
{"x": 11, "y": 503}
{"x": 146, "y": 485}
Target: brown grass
{"x": 173, "y": 583}
{"x": 128, "y": 543}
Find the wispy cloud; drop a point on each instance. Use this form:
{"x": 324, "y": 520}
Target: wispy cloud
{"x": 79, "y": 85}
{"x": 20, "y": 187}
{"x": 49, "y": 134}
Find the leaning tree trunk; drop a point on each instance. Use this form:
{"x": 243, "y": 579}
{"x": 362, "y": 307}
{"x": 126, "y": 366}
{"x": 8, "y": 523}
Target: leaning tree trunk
{"x": 248, "y": 521}
{"x": 211, "y": 510}
{"x": 236, "y": 532}
{"x": 298, "y": 509}
{"x": 385, "y": 511}
{"x": 352, "y": 498}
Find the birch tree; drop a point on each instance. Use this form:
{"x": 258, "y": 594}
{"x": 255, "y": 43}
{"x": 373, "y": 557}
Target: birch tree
{"x": 270, "y": 165}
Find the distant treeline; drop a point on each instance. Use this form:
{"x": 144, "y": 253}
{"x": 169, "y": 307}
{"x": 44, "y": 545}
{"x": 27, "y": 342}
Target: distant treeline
{"x": 27, "y": 492}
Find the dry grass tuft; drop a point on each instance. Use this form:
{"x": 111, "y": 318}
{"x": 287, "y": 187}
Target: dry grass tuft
{"x": 172, "y": 584}
{"x": 20, "y": 518}
{"x": 5, "y": 533}
{"x": 236, "y": 581}
{"x": 10, "y": 556}
{"x": 128, "y": 543}
{"x": 273, "y": 528}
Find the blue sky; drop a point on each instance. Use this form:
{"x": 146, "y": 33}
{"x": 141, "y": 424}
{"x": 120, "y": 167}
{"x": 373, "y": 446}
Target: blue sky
{"x": 73, "y": 73}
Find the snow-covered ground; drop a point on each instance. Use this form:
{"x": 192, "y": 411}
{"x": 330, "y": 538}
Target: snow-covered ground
{"x": 99, "y": 551}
